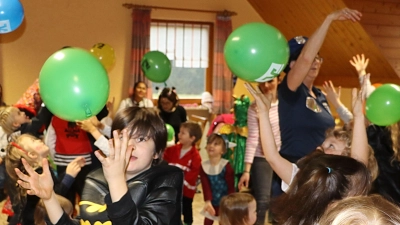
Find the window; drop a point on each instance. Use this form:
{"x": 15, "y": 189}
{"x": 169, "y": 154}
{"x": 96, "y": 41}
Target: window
{"x": 188, "y": 45}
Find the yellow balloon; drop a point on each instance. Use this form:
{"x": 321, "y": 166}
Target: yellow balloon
{"x": 104, "y": 53}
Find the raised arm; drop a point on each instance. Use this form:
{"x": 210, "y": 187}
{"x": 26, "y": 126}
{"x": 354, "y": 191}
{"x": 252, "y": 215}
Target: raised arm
{"x": 299, "y": 71}
{"x": 280, "y": 165}
{"x": 41, "y": 186}
{"x": 334, "y": 98}
{"x": 359, "y": 146}
{"x": 360, "y": 63}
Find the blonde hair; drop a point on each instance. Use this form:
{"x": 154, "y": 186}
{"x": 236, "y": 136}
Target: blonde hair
{"x": 16, "y": 150}
{"x": 345, "y": 136}
{"x": 395, "y": 136}
{"x": 373, "y": 209}
{"x": 7, "y": 116}
{"x": 40, "y": 215}
{"x": 234, "y": 208}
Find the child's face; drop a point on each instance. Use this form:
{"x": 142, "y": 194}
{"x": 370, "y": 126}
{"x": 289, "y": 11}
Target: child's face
{"x": 252, "y": 213}
{"x": 215, "y": 149}
{"x": 269, "y": 86}
{"x": 20, "y": 118}
{"x": 184, "y": 136}
{"x": 166, "y": 104}
{"x": 142, "y": 155}
{"x": 37, "y": 146}
{"x": 140, "y": 90}
{"x": 333, "y": 146}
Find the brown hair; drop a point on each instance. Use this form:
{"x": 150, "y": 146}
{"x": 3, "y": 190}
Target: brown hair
{"x": 143, "y": 122}
{"x": 194, "y": 130}
{"x": 40, "y": 215}
{"x": 373, "y": 209}
{"x": 170, "y": 94}
{"x": 218, "y": 139}
{"x": 322, "y": 179}
{"x": 234, "y": 208}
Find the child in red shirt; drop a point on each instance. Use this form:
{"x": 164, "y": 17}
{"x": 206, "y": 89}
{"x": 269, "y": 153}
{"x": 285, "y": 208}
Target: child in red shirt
{"x": 186, "y": 156}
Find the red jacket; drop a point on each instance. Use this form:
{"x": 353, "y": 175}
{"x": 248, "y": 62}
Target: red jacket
{"x": 71, "y": 140}
{"x": 190, "y": 163}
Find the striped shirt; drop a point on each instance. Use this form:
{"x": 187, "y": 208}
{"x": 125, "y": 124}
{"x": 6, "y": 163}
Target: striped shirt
{"x": 253, "y": 143}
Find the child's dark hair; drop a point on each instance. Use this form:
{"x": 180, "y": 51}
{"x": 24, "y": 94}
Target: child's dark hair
{"x": 194, "y": 130}
{"x": 170, "y": 94}
{"x": 234, "y": 208}
{"x": 218, "y": 139}
{"x": 322, "y": 179}
{"x": 143, "y": 122}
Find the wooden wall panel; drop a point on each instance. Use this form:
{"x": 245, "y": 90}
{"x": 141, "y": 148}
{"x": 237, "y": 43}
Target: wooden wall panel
{"x": 344, "y": 39}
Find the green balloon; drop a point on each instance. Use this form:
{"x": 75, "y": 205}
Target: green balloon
{"x": 74, "y": 84}
{"x": 383, "y": 105}
{"x": 170, "y": 131}
{"x": 256, "y": 52}
{"x": 156, "y": 66}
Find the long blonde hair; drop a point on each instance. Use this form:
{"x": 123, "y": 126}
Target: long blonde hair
{"x": 346, "y": 136}
{"x": 16, "y": 150}
{"x": 395, "y": 136}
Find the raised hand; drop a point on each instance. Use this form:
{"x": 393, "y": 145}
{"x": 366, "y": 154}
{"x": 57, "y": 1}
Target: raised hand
{"x": 330, "y": 91}
{"x": 74, "y": 167}
{"x": 346, "y": 14}
{"x": 360, "y": 63}
{"x": 359, "y": 98}
{"x": 263, "y": 102}
{"x": 40, "y": 185}
{"x": 115, "y": 164}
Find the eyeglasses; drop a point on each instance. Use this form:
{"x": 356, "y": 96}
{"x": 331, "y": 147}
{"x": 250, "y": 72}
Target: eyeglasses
{"x": 319, "y": 59}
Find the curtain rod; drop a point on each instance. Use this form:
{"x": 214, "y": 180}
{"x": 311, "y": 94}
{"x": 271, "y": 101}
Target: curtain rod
{"x": 223, "y": 13}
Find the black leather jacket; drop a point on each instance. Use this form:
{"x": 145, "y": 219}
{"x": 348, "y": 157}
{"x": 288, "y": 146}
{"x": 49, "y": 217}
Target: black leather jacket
{"x": 154, "y": 197}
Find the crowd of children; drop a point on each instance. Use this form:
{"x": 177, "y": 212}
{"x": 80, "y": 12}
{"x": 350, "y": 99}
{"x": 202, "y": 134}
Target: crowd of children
{"x": 326, "y": 173}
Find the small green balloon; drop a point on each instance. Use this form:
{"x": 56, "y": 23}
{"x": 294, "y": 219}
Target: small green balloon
{"x": 73, "y": 84}
{"x": 170, "y": 131}
{"x": 383, "y": 105}
{"x": 156, "y": 66}
{"x": 256, "y": 52}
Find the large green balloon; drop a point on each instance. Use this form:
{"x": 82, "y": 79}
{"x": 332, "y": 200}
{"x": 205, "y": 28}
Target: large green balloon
{"x": 383, "y": 105}
{"x": 156, "y": 66}
{"x": 170, "y": 131}
{"x": 73, "y": 84}
{"x": 256, "y": 52}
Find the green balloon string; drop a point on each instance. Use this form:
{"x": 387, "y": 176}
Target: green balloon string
{"x": 88, "y": 112}
{"x": 165, "y": 84}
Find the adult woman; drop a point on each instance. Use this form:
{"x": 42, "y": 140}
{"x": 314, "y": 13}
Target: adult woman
{"x": 170, "y": 110}
{"x": 303, "y": 108}
{"x": 138, "y": 98}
